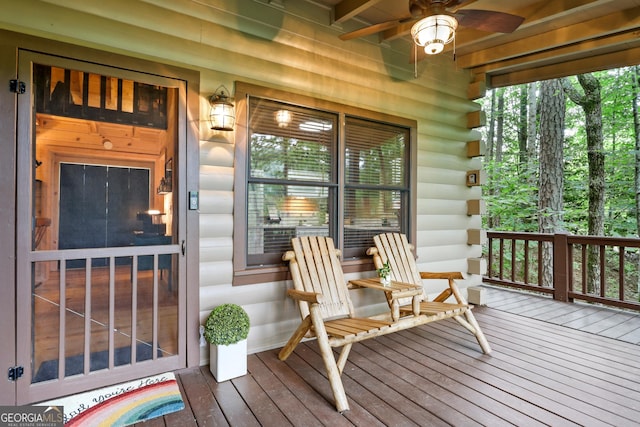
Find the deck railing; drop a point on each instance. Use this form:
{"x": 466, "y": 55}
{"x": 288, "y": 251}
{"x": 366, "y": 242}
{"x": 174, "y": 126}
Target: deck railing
{"x": 597, "y": 269}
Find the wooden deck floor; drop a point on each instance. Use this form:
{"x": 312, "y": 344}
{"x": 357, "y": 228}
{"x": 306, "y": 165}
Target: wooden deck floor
{"x": 539, "y": 373}
{"x": 622, "y": 325}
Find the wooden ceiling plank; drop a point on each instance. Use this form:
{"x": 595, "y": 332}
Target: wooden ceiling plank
{"x": 542, "y": 11}
{"x": 618, "y": 59}
{"x": 620, "y": 21}
{"x": 540, "y": 17}
{"x": 570, "y": 52}
{"x": 348, "y": 9}
{"x": 400, "y": 31}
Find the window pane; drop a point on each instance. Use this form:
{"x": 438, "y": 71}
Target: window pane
{"x": 298, "y": 166}
{"x": 376, "y": 153}
{"x": 376, "y": 183}
{"x": 290, "y": 143}
{"x": 367, "y": 213}
{"x": 276, "y": 213}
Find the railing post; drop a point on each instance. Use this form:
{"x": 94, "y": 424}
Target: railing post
{"x": 561, "y": 267}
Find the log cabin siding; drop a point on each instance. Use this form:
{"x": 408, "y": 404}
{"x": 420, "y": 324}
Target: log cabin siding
{"x": 293, "y": 49}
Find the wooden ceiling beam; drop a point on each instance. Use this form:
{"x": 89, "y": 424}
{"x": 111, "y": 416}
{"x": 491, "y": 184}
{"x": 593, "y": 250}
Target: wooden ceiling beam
{"x": 568, "y": 68}
{"x": 619, "y": 21}
{"x": 571, "y": 52}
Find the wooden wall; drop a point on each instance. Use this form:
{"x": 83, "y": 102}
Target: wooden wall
{"x": 287, "y": 45}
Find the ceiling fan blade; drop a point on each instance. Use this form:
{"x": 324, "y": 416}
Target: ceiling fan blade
{"x": 487, "y": 20}
{"x": 372, "y": 29}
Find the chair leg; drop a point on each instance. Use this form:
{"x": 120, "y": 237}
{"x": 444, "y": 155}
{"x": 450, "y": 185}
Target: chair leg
{"x": 342, "y": 360}
{"x": 295, "y": 339}
{"x": 471, "y": 324}
{"x": 484, "y": 344}
{"x": 333, "y": 373}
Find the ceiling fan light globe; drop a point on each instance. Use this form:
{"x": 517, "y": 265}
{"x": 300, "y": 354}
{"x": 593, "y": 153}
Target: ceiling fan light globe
{"x": 433, "y": 32}
{"x": 434, "y": 48}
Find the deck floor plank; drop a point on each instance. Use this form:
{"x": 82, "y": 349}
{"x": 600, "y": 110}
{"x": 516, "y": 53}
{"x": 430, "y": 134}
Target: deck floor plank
{"x": 231, "y": 401}
{"x": 505, "y": 375}
{"x": 480, "y": 401}
{"x": 200, "y": 399}
{"x": 313, "y": 402}
{"x": 552, "y": 363}
{"x": 291, "y": 407}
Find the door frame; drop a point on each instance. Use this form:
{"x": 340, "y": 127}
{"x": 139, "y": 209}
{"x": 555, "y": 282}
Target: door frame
{"x": 188, "y": 169}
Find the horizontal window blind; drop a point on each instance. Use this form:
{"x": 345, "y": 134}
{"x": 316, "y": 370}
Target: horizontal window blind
{"x": 376, "y": 181}
{"x": 291, "y": 174}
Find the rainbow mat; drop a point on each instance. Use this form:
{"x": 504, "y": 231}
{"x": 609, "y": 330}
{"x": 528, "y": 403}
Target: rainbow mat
{"x": 123, "y": 404}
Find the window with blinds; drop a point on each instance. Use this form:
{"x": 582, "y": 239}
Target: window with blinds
{"x": 292, "y": 176}
{"x": 376, "y": 186}
{"x": 302, "y": 179}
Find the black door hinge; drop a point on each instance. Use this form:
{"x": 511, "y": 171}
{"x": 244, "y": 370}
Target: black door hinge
{"x": 17, "y": 86}
{"x": 15, "y": 372}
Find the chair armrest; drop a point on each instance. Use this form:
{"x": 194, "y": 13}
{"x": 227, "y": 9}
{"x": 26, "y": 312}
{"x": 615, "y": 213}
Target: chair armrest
{"x": 450, "y": 275}
{"x": 451, "y": 290}
{"x": 310, "y": 297}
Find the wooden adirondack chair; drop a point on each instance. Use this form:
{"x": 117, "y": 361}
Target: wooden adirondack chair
{"x": 395, "y": 249}
{"x": 326, "y": 309}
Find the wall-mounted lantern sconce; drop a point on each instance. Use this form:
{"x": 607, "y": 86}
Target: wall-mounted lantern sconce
{"x": 222, "y": 115}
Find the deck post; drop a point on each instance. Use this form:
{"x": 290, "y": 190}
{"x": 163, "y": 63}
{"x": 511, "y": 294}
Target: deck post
{"x": 561, "y": 266}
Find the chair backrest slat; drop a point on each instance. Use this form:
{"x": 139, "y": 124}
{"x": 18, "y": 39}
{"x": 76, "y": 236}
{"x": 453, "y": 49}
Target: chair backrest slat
{"x": 321, "y": 272}
{"x": 396, "y": 249}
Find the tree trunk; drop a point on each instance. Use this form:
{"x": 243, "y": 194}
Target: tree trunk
{"x": 550, "y": 203}
{"x": 492, "y": 125}
{"x": 499, "y": 126}
{"x": 532, "y": 130}
{"x": 635, "y": 83}
{"x": 591, "y": 103}
{"x": 523, "y": 129}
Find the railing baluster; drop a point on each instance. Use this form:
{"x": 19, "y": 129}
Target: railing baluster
{"x": 621, "y": 273}
{"x": 112, "y": 314}
{"x": 525, "y": 277}
{"x": 570, "y": 268}
{"x": 603, "y": 271}
{"x": 513, "y": 260}
{"x": 154, "y": 346}
{"x": 501, "y": 275}
{"x": 540, "y": 265}
{"x": 62, "y": 299}
{"x": 565, "y": 247}
{"x": 584, "y": 268}
{"x": 134, "y": 310}
{"x": 490, "y": 256}
{"x": 87, "y": 316}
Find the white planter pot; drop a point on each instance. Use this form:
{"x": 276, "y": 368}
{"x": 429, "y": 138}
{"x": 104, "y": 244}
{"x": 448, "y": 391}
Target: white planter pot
{"x": 228, "y": 361}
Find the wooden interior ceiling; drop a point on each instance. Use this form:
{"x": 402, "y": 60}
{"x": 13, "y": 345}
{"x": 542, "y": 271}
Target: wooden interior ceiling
{"x": 557, "y": 38}
{"x": 91, "y": 135}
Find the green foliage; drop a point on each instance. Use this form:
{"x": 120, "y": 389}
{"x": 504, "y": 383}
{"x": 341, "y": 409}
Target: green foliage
{"x": 385, "y": 270}
{"x": 511, "y": 194}
{"x": 226, "y": 324}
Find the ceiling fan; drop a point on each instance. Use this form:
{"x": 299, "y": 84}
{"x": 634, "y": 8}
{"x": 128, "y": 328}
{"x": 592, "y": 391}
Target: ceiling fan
{"x": 437, "y": 20}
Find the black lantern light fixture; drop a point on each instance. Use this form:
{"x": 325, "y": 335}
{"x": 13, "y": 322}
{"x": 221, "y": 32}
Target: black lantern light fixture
{"x": 222, "y": 115}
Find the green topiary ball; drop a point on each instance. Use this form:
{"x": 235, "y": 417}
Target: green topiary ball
{"x": 226, "y": 324}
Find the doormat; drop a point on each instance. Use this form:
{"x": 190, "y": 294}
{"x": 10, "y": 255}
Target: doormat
{"x": 122, "y": 404}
